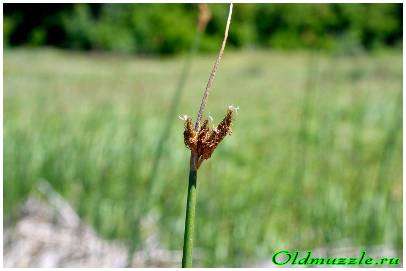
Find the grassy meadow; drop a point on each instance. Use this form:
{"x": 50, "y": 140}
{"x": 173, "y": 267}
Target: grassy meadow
{"x": 315, "y": 158}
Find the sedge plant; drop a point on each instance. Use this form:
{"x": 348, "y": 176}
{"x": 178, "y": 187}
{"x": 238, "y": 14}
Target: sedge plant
{"x": 202, "y": 140}
{"x": 203, "y": 18}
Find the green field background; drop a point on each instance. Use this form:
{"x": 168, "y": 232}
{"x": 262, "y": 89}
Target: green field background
{"x": 314, "y": 160}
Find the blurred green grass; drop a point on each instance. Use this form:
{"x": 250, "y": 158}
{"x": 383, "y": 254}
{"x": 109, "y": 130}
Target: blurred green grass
{"x": 315, "y": 158}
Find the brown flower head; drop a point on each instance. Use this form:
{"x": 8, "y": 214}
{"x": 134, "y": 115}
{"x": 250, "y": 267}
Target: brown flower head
{"x": 204, "y": 17}
{"x": 203, "y": 142}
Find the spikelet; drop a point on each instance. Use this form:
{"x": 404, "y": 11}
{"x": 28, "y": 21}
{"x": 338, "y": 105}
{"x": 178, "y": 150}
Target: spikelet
{"x": 205, "y": 141}
{"x": 190, "y": 135}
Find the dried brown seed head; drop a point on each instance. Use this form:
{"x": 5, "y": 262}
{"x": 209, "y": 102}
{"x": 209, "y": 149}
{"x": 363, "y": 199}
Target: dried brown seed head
{"x": 204, "y": 16}
{"x": 204, "y": 142}
{"x": 217, "y": 135}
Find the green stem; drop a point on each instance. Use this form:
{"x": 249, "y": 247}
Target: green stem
{"x": 190, "y": 219}
{"x": 151, "y": 187}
